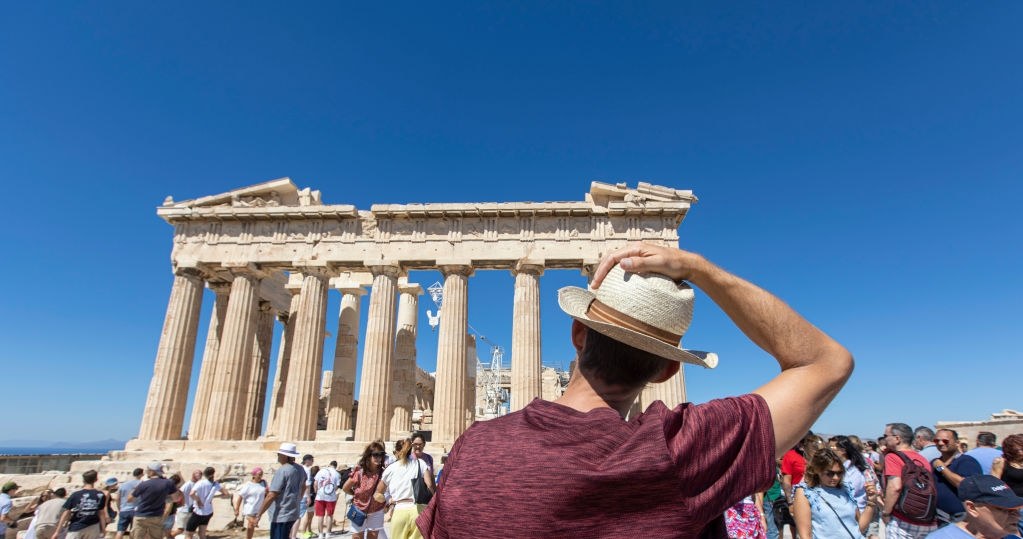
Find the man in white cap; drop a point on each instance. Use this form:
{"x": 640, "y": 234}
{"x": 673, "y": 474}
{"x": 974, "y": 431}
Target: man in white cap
{"x": 582, "y": 470}
{"x": 286, "y": 491}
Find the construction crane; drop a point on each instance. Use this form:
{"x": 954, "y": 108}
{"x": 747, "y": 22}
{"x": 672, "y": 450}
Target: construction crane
{"x": 488, "y": 377}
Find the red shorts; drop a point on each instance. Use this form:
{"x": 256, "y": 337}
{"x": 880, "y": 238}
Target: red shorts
{"x": 324, "y": 508}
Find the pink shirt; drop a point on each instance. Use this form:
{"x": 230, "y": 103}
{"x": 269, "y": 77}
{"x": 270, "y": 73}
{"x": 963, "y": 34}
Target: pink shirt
{"x": 551, "y": 471}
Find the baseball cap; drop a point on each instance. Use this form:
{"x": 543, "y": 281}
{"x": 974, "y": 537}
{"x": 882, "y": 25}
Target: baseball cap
{"x": 257, "y": 470}
{"x": 111, "y": 481}
{"x": 9, "y": 486}
{"x": 156, "y": 466}
{"x": 990, "y": 490}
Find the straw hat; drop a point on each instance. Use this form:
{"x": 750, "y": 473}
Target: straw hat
{"x": 647, "y": 311}
{"x": 288, "y": 450}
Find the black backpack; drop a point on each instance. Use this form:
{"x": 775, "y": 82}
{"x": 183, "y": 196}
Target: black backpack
{"x": 918, "y": 500}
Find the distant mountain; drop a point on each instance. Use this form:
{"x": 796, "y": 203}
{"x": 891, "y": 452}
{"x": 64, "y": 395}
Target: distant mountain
{"x": 44, "y": 444}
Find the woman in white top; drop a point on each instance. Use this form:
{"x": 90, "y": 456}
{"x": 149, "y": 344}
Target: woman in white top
{"x": 248, "y": 499}
{"x": 397, "y": 481}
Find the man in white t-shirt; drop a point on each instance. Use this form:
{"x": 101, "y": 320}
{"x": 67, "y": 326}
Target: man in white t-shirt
{"x": 185, "y": 511}
{"x": 202, "y": 504}
{"x": 249, "y": 499}
{"x": 327, "y": 482}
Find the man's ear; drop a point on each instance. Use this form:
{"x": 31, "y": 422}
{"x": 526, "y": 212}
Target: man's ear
{"x": 668, "y": 372}
{"x": 579, "y": 332}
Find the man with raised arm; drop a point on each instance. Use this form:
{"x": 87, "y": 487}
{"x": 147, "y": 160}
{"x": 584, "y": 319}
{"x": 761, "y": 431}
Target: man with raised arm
{"x": 577, "y": 468}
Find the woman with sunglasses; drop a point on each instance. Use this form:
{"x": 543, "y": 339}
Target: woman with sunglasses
{"x": 361, "y": 485}
{"x": 824, "y": 507}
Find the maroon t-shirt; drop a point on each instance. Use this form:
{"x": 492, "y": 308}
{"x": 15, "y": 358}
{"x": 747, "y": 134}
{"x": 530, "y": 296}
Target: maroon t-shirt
{"x": 551, "y": 471}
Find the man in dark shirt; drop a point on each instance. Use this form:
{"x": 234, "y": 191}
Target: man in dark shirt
{"x": 950, "y": 469}
{"x": 582, "y": 470}
{"x": 150, "y": 497}
{"x": 83, "y": 511}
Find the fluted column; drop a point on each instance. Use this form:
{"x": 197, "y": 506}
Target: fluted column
{"x": 298, "y": 418}
{"x": 225, "y": 417}
{"x": 671, "y": 392}
{"x": 526, "y": 364}
{"x": 164, "y": 415}
{"x": 201, "y": 401}
{"x": 471, "y": 361}
{"x": 256, "y": 402}
{"x": 378, "y": 356}
{"x": 449, "y": 392}
{"x": 280, "y": 386}
{"x": 346, "y": 355}
{"x": 404, "y": 378}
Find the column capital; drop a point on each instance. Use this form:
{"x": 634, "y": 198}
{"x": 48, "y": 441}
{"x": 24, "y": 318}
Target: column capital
{"x": 528, "y": 266}
{"x": 316, "y": 268}
{"x": 410, "y": 288}
{"x": 390, "y": 268}
{"x": 219, "y": 287}
{"x": 265, "y": 306}
{"x": 353, "y": 289}
{"x": 455, "y": 267}
{"x": 246, "y": 269}
{"x": 189, "y": 272}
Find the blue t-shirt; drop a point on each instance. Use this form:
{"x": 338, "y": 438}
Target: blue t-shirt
{"x": 5, "y": 507}
{"x": 948, "y": 495}
{"x": 123, "y": 491}
{"x": 985, "y": 456}
{"x": 949, "y": 532}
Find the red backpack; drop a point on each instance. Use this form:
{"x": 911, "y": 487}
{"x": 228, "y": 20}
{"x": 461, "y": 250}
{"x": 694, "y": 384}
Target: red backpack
{"x": 918, "y": 500}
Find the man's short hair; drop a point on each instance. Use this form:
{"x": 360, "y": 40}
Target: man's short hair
{"x": 903, "y": 431}
{"x": 137, "y": 472}
{"x": 90, "y": 477}
{"x": 924, "y": 433}
{"x": 208, "y": 472}
{"x": 955, "y": 435}
{"x": 615, "y": 362}
{"x": 307, "y": 457}
{"x": 333, "y": 464}
{"x": 60, "y": 492}
{"x": 987, "y": 439}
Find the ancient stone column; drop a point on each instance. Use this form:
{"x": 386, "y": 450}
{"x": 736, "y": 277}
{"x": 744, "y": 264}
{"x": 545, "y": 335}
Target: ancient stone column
{"x": 404, "y": 378}
{"x": 260, "y": 369}
{"x": 671, "y": 392}
{"x": 201, "y": 401}
{"x": 471, "y": 365}
{"x": 525, "y": 358}
{"x": 449, "y": 392}
{"x": 298, "y": 417}
{"x": 283, "y": 360}
{"x": 164, "y": 415}
{"x": 378, "y": 355}
{"x": 346, "y": 355}
{"x": 224, "y": 420}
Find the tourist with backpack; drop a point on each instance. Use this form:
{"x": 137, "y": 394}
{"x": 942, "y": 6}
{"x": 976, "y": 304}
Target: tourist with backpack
{"x": 910, "y": 495}
{"x": 327, "y": 482}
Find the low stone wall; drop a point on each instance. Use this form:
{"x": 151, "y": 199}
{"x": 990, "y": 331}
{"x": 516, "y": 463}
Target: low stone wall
{"x": 30, "y": 464}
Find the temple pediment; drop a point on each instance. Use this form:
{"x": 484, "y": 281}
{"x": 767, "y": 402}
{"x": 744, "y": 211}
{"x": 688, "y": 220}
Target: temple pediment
{"x": 279, "y": 192}
{"x": 606, "y": 194}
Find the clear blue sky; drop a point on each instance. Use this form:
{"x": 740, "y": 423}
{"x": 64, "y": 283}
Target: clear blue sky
{"x": 862, "y": 161}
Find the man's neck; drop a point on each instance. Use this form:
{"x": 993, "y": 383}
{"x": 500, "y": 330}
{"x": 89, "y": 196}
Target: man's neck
{"x": 586, "y": 393}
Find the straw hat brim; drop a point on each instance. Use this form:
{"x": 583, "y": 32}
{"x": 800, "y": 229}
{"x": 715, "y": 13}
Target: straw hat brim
{"x": 576, "y": 301}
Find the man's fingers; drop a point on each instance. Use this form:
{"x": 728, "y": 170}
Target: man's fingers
{"x": 609, "y": 260}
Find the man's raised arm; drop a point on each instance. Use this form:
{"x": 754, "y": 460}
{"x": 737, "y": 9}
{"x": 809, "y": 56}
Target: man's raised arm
{"x": 813, "y": 366}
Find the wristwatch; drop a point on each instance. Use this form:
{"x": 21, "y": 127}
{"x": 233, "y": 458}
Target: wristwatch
{"x": 939, "y": 468}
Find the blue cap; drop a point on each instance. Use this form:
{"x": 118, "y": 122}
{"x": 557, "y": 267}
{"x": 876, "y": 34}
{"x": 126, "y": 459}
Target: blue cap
{"x": 990, "y": 490}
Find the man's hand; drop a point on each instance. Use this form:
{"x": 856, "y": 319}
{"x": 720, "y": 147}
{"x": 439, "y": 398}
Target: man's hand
{"x": 676, "y": 264}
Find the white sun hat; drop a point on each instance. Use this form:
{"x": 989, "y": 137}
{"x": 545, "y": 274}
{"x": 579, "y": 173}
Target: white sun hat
{"x": 647, "y": 311}
{"x": 289, "y": 450}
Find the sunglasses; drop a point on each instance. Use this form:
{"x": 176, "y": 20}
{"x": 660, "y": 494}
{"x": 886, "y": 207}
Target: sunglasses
{"x": 832, "y": 473}
{"x": 380, "y": 454}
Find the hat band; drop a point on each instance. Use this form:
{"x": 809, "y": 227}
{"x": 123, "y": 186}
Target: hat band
{"x": 603, "y": 313}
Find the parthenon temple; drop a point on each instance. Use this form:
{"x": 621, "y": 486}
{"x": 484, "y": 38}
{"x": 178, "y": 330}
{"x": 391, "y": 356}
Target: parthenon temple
{"x": 271, "y": 253}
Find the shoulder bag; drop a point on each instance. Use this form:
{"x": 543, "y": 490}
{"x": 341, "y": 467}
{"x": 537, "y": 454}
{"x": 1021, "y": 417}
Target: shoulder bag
{"x": 420, "y": 492}
{"x": 356, "y": 515}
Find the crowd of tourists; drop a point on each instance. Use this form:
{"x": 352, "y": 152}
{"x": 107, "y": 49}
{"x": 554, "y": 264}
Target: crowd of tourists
{"x": 157, "y": 505}
{"x": 918, "y": 483}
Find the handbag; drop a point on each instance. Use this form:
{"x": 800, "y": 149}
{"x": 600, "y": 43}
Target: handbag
{"x": 356, "y": 515}
{"x": 420, "y": 492}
